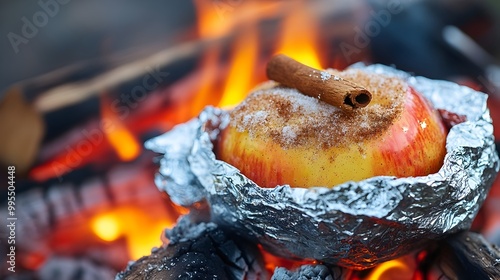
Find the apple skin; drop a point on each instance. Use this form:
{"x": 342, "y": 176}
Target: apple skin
{"x": 413, "y": 145}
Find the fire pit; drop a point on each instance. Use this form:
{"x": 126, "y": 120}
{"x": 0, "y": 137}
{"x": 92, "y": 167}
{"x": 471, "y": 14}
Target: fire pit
{"x": 350, "y": 224}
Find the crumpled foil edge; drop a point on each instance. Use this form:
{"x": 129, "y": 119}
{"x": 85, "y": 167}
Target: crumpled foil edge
{"x": 356, "y": 224}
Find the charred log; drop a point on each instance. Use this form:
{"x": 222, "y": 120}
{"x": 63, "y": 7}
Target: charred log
{"x": 469, "y": 256}
{"x": 201, "y": 251}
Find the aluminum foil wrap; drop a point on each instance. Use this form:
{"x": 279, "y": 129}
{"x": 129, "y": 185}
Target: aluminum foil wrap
{"x": 355, "y": 224}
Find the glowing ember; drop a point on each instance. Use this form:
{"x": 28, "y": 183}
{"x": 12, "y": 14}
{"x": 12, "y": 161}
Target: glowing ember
{"x": 140, "y": 230}
{"x": 63, "y": 163}
{"x": 123, "y": 141}
{"x": 272, "y": 262}
{"x": 395, "y": 269}
{"x": 34, "y": 260}
{"x": 106, "y": 227}
{"x": 142, "y": 241}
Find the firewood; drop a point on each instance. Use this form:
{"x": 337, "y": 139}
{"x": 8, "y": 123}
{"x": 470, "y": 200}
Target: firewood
{"x": 468, "y": 255}
{"x": 22, "y": 129}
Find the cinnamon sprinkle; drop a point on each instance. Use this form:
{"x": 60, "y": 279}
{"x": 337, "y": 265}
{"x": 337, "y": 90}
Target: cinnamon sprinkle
{"x": 293, "y": 119}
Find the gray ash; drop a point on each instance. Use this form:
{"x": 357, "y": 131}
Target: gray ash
{"x": 199, "y": 251}
{"x": 311, "y": 272}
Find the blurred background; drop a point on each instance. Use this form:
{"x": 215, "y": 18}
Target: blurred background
{"x": 84, "y": 83}
{"x": 60, "y": 34}
{"x": 84, "y": 30}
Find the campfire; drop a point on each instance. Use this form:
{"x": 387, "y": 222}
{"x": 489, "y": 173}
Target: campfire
{"x": 95, "y": 198}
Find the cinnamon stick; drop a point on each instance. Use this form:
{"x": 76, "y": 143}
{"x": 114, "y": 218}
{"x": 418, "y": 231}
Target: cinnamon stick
{"x": 317, "y": 83}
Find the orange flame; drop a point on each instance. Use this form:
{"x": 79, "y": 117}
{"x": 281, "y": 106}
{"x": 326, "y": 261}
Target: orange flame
{"x": 123, "y": 141}
{"x": 239, "y": 80}
{"x": 209, "y": 68}
{"x": 209, "y": 19}
{"x": 218, "y": 18}
{"x": 221, "y": 18}
{"x": 140, "y": 231}
{"x": 299, "y": 39}
{"x": 215, "y": 19}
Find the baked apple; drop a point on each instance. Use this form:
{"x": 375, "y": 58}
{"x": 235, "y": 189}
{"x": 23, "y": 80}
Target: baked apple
{"x": 279, "y": 136}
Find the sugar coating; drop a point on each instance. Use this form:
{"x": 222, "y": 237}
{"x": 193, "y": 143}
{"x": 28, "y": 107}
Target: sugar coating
{"x": 325, "y": 76}
{"x": 253, "y": 119}
{"x": 290, "y": 118}
{"x": 289, "y": 134}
